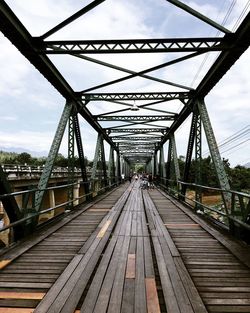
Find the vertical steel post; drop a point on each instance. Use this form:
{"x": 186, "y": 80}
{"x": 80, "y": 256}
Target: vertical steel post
{"x": 71, "y": 161}
{"x": 198, "y": 159}
{"x": 189, "y": 154}
{"x": 81, "y": 155}
{"x": 99, "y": 162}
{"x": 111, "y": 167}
{"x": 118, "y": 168}
{"x": 162, "y": 168}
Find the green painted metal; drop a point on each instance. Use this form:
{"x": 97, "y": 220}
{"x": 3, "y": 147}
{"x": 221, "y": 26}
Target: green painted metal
{"x": 111, "y": 167}
{"x": 43, "y": 182}
{"x": 99, "y": 170}
{"x": 174, "y": 158}
{"x": 162, "y": 167}
{"x": 214, "y": 151}
{"x": 81, "y": 153}
{"x": 71, "y": 160}
{"x": 118, "y": 167}
{"x": 133, "y": 45}
{"x": 189, "y": 153}
{"x": 198, "y": 159}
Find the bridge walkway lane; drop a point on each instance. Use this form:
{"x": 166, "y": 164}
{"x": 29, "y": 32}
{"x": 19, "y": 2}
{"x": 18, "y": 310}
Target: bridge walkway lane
{"x": 145, "y": 253}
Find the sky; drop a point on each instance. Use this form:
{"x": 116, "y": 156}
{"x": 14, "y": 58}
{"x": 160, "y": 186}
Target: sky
{"x": 30, "y": 107}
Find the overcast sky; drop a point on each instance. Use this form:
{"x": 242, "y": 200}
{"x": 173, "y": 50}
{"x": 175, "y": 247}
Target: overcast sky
{"x": 30, "y": 107}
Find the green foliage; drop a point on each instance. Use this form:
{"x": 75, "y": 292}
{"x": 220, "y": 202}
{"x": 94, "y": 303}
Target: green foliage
{"x": 239, "y": 177}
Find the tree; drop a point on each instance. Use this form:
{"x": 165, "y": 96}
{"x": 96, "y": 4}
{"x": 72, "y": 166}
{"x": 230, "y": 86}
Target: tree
{"x": 24, "y": 158}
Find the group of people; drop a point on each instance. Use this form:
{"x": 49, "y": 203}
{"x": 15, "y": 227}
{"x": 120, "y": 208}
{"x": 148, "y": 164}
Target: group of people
{"x": 146, "y": 180}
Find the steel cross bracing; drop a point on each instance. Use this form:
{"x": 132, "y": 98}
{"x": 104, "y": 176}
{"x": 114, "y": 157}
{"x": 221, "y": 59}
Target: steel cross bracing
{"x": 134, "y": 45}
{"x": 158, "y": 113}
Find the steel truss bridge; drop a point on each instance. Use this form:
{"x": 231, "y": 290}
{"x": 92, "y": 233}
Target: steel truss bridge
{"x": 136, "y": 124}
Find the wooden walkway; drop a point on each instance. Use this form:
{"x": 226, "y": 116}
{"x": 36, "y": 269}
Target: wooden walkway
{"x": 132, "y": 251}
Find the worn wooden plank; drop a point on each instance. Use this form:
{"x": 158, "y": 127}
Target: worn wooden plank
{"x": 128, "y": 296}
{"x": 93, "y": 292}
{"x": 130, "y": 270}
{"x": 115, "y": 301}
{"x": 167, "y": 287}
{"x": 152, "y": 296}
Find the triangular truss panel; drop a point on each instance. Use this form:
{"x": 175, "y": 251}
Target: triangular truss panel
{"x": 134, "y": 85}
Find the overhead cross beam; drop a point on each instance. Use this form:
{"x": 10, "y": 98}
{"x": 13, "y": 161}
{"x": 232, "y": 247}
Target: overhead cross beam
{"x": 138, "y": 130}
{"x": 135, "y": 96}
{"x": 127, "y": 118}
{"x": 134, "y": 45}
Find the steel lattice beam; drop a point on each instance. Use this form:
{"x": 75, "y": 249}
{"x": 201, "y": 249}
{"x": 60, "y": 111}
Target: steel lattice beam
{"x": 135, "y": 96}
{"x": 138, "y": 130}
{"x": 129, "y": 139}
{"x": 133, "y": 45}
{"x": 127, "y": 118}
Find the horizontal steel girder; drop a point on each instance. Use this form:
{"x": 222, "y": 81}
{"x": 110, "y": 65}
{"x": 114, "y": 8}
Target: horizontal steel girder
{"x": 137, "y": 118}
{"x": 129, "y": 139}
{"x": 135, "y": 152}
{"x": 138, "y": 130}
{"x": 135, "y": 96}
{"x": 132, "y": 45}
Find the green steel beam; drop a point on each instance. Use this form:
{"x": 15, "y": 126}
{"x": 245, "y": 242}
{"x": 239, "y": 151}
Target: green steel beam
{"x": 137, "y": 130}
{"x": 133, "y": 45}
{"x": 135, "y": 96}
{"x": 127, "y": 118}
{"x": 44, "y": 179}
{"x": 215, "y": 154}
{"x": 81, "y": 153}
{"x": 71, "y": 159}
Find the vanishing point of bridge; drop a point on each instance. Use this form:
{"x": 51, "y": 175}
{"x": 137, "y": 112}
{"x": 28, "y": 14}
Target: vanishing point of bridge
{"x": 115, "y": 246}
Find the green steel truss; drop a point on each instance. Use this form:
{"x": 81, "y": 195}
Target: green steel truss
{"x": 43, "y": 182}
{"x": 146, "y": 133}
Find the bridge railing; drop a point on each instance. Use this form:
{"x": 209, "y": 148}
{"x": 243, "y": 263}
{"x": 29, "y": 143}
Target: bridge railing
{"x": 234, "y": 214}
{"x": 50, "y": 213}
{"x": 15, "y": 171}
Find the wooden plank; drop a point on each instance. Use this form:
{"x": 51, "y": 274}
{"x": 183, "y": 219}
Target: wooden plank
{"x": 56, "y": 288}
{"x": 168, "y": 291}
{"x": 130, "y": 270}
{"x": 128, "y": 296}
{"x": 21, "y": 295}
{"x": 152, "y": 296}
{"x": 189, "y": 286}
{"x": 149, "y": 266}
{"x": 104, "y": 294}
{"x": 16, "y": 310}
{"x": 94, "y": 289}
{"x": 104, "y": 229}
{"x": 140, "y": 288}
{"x": 115, "y": 301}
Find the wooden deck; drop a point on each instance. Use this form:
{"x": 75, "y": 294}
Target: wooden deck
{"x": 132, "y": 251}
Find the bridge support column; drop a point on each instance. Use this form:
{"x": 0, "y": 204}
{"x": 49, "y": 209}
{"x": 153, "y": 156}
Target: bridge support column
{"x": 173, "y": 170}
{"x": 215, "y": 155}
{"x": 111, "y": 167}
{"x": 99, "y": 165}
{"x": 81, "y": 155}
{"x": 118, "y": 168}
{"x": 162, "y": 167}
